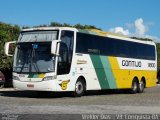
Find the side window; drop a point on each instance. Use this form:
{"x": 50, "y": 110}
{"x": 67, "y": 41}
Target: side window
{"x": 82, "y": 43}
{"x": 88, "y": 44}
{"x": 151, "y": 53}
{"x": 146, "y": 51}
{"x": 65, "y": 52}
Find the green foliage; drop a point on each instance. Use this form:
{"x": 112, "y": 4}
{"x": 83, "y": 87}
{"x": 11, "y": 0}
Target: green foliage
{"x": 78, "y": 26}
{"x": 57, "y": 24}
{"x": 143, "y": 39}
{"x": 25, "y": 27}
{"x": 7, "y": 33}
{"x": 40, "y": 26}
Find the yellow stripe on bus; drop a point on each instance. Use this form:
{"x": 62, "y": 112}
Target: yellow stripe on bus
{"x": 124, "y": 77}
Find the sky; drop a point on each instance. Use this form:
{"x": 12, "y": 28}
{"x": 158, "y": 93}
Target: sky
{"x": 139, "y": 18}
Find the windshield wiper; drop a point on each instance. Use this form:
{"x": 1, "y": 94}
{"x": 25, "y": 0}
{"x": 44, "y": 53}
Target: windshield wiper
{"x": 34, "y": 46}
{"x": 19, "y": 67}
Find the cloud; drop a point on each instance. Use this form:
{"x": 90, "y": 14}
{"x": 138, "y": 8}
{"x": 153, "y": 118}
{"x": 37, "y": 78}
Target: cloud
{"x": 139, "y": 28}
{"x": 119, "y": 30}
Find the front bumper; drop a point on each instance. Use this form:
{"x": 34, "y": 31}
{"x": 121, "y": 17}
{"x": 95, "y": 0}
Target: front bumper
{"x": 49, "y": 85}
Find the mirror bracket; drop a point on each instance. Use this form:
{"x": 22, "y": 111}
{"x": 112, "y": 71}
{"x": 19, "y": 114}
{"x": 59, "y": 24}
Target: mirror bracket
{"x": 54, "y": 47}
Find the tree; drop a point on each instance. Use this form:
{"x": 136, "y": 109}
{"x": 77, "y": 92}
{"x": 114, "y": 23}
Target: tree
{"x": 7, "y": 33}
{"x": 66, "y": 25}
{"x": 143, "y": 39}
{"x": 78, "y": 26}
{"x": 55, "y": 24}
{"x": 25, "y": 27}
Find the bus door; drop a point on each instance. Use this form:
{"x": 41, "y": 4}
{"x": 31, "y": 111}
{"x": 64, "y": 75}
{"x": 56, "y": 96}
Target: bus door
{"x": 65, "y": 59}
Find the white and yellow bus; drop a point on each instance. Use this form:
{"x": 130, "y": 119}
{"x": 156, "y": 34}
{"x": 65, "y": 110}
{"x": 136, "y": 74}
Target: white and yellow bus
{"x": 67, "y": 59}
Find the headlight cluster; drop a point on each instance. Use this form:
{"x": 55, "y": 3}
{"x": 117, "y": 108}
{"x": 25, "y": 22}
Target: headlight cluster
{"x": 49, "y": 78}
{"x": 15, "y": 78}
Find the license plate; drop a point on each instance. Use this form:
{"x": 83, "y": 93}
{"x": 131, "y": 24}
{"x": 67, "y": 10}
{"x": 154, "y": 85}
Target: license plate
{"x": 30, "y": 85}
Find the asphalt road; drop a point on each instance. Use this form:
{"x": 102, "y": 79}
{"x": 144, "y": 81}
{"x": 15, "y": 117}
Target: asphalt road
{"x": 94, "y": 102}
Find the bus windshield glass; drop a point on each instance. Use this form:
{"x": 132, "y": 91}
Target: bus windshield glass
{"x": 34, "y": 57}
{"x": 33, "y": 52}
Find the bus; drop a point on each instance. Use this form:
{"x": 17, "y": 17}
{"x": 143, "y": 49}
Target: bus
{"x": 68, "y": 59}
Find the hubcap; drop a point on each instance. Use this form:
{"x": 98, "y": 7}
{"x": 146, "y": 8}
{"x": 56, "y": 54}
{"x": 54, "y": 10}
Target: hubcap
{"x": 79, "y": 87}
{"x": 134, "y": 86}
{"x": 141, "y": 85}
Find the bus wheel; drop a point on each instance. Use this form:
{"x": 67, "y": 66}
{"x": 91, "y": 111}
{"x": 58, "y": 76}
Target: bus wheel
{"x": 134, "y": 87}
{"x": 141, "y": 86}
{"x": 79, "y": 88}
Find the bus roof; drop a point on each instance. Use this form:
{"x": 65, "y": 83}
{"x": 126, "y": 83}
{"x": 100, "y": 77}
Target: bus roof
{"x": 49, "y": 28}
{"x": 92, "y": 32}
{"x": 113, "y": 35}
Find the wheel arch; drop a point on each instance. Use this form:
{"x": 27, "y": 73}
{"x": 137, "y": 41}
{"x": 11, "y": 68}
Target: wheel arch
{"x": 135, "y": 79}
{"x": 80, "y": 87}
{"x": 83, "y": 79}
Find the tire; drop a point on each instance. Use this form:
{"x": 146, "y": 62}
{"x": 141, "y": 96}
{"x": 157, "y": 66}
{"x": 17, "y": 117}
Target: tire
{"x": 141, "y": 87}
{"x": 80, "y": 88}
{"x": 134, "y": 87}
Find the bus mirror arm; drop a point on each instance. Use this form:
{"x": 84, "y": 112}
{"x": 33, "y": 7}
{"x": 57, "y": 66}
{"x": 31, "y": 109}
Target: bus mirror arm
{"x": 7, "y": 46}
{"x": 54, "y": 47}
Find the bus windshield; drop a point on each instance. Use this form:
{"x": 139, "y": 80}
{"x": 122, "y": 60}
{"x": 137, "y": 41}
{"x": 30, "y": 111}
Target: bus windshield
{"x": 34, "y": 57}
{"x": 33, "y": 52}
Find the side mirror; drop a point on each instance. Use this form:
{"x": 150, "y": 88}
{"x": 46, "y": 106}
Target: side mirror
{"x": 54, "y": 47}
{"x": 9, "y": 48}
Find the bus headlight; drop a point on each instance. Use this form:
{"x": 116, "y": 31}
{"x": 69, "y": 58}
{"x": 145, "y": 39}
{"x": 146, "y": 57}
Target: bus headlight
{"x": 49, "y": 78}
{"x": 16, "y": 78}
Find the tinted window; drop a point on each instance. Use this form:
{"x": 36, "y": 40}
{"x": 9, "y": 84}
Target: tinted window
{"x": 66, "y": 52}
{"x": 92, "y": 44}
